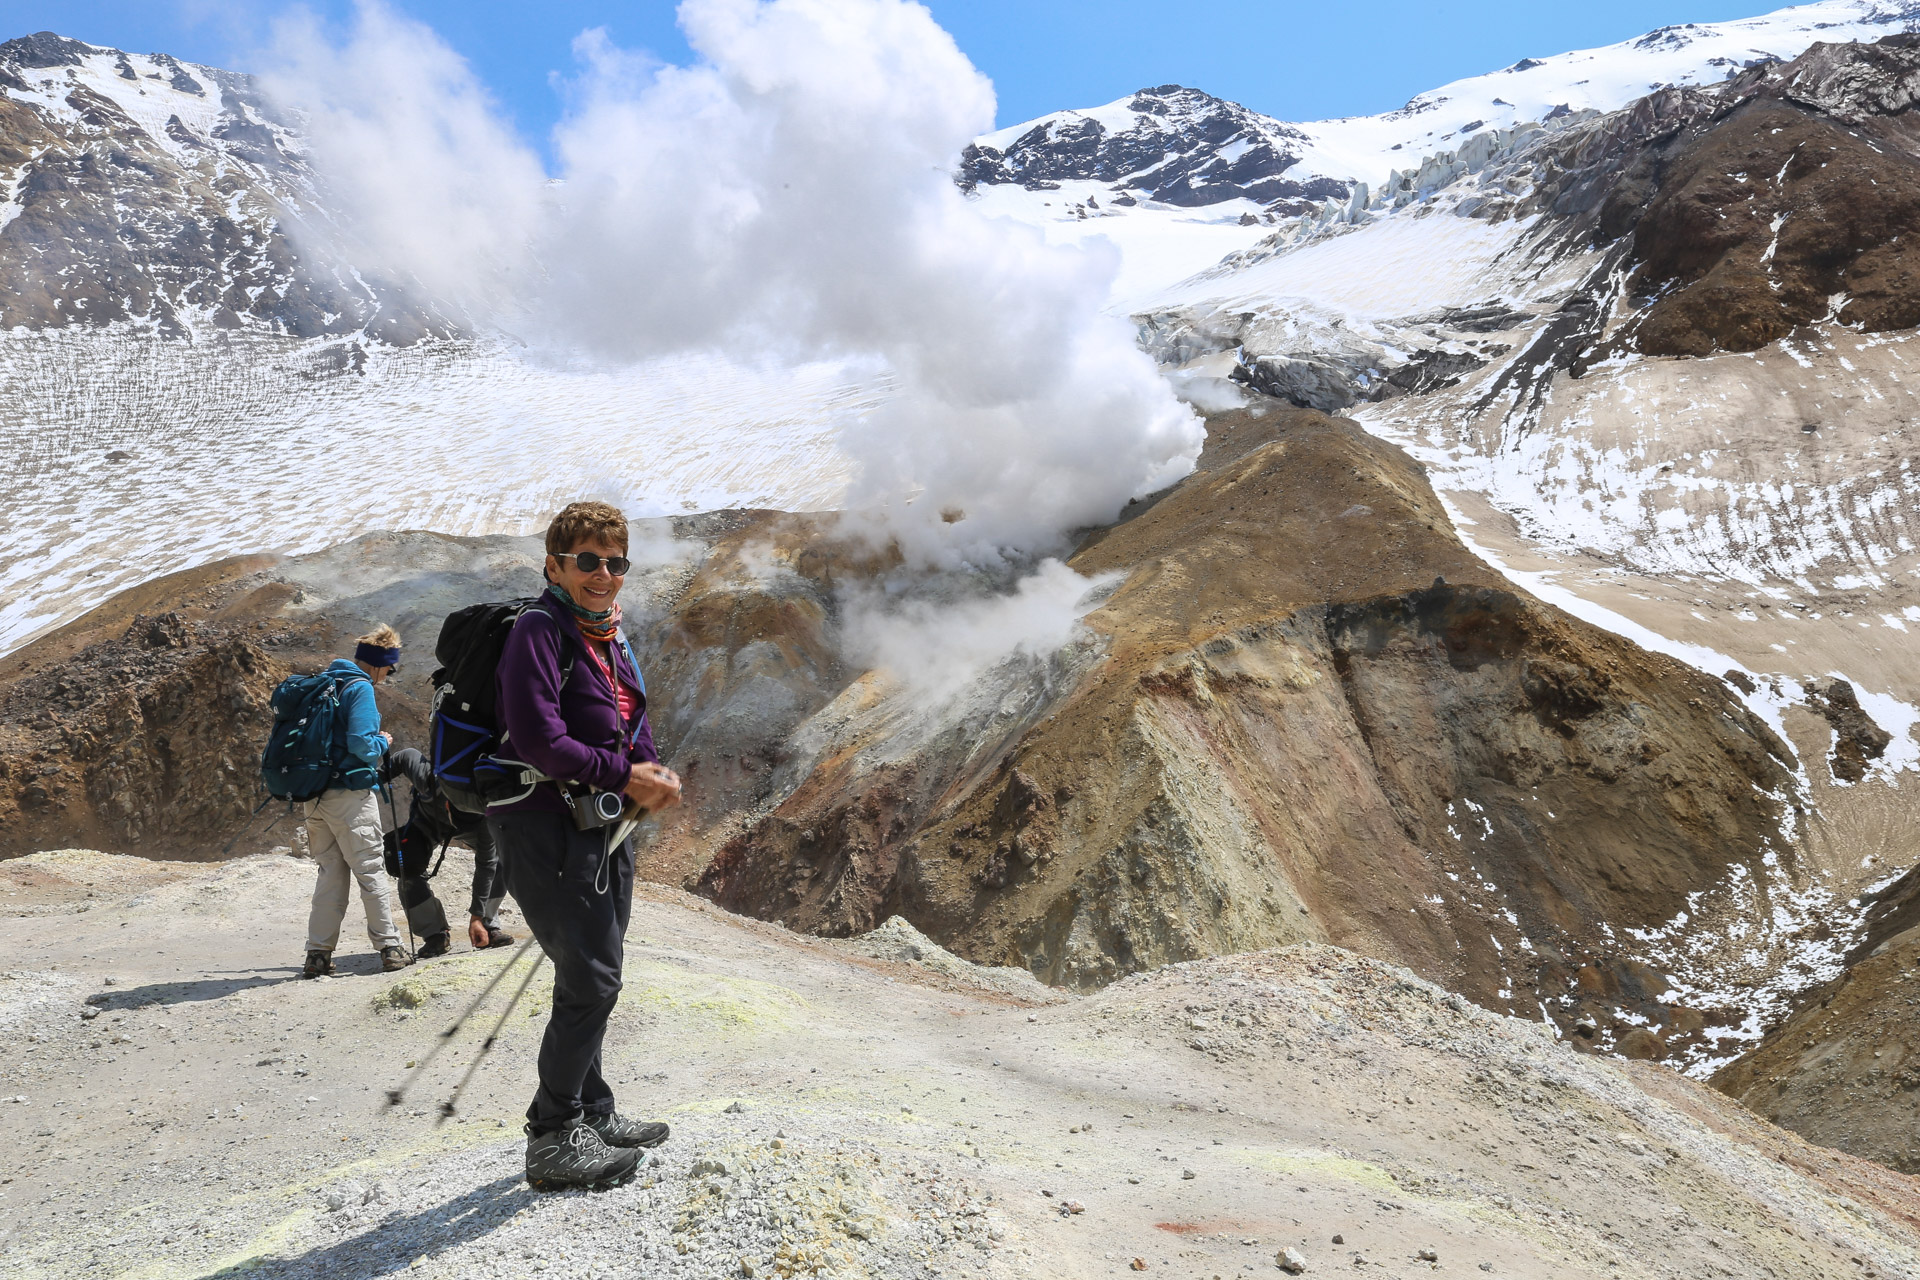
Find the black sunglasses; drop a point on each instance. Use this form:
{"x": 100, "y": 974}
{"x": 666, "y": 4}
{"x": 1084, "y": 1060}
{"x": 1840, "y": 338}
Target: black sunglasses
{"x": 587, "y": 562}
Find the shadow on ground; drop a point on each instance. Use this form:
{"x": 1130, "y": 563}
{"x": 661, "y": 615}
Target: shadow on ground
{"x": 195, "y": 990}
{"x": 393, "y": 1245}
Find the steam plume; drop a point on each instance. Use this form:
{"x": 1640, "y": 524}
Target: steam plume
{"x": 788, "y": 196}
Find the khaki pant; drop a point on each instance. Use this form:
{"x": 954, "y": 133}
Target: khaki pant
{"x": 343, "y": 834}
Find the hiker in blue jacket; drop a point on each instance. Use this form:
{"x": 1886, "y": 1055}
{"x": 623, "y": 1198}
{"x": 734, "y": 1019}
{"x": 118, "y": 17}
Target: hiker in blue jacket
{"x": 343, "y": 824}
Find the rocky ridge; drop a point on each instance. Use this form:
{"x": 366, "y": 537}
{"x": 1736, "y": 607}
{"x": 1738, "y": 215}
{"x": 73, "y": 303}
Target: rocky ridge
{"x": 1176, "y": 145}
{"x": 1305, "y": 713}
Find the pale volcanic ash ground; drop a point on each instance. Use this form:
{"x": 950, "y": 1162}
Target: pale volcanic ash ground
{"x": 181, "y": 1104}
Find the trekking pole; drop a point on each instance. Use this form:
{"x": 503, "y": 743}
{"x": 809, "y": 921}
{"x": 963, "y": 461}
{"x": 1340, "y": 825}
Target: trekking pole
{"x": 626, "y": 828}
{"x": 384, "y": 791}
{"x": 396, "y": 1096}
{"x": 448, "y": 1107}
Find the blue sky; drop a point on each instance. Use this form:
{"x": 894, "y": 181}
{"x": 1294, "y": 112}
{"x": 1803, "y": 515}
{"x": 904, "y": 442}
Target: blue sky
{"x": 1296, "y": 61}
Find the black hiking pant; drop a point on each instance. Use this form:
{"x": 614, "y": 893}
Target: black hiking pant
{"x": 552, "y": 871}
{"x": 427, "y": 916}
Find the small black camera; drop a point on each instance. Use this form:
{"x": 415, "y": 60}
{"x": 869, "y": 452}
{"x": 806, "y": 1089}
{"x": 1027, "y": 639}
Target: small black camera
{"x": 595, "y": 809}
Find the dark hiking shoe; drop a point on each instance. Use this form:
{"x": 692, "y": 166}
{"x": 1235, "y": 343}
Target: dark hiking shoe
{"x": 319, "y": 964}
{"x": 574, "y": 1158}
{"x": 394, "y": 959}
{"x": 617, "y": 1131}
{"x": 437, "y": 944}
{"x": 498, "y": 938}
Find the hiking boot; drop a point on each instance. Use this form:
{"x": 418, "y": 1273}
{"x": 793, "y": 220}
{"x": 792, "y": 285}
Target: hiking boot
{"x": 617, "y": 1131}
{"x": 497, "y": 937}
{"x": 319, "y": 965}
{"x": 394, "y": 959}
{"x": 437, "y": 944}
{"x": 574, "y": 1157}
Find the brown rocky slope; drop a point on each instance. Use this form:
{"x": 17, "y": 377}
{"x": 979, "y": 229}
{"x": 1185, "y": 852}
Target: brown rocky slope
{"x": 1303, "y": 713}
{"x": 1785, "y": 197}
{"x": 1845, "y": 1069}
{"x": 1309, "y": 714}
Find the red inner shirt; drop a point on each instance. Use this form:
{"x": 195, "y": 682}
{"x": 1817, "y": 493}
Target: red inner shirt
{"x": 625, "y": 697}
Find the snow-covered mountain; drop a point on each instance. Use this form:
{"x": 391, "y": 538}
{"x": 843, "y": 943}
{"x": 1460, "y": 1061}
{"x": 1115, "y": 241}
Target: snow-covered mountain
{"x": 1177, "y": 178}
{"x": 172, "y": 196}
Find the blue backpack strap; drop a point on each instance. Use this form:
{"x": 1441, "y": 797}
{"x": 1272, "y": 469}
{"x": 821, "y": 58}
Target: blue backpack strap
{"x": 641, "y": 680}
{"x": 632, "y": 661}
{"x": 341, "y": 679}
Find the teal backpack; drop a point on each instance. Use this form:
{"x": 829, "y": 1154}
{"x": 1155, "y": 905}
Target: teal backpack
{"x": 307, "y": 749}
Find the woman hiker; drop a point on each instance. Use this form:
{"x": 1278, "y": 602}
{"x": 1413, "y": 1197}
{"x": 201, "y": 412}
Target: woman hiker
{"x": 343, "y": 824}
{"x": 573, "y": 706}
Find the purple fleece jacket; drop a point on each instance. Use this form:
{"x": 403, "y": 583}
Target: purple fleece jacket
{"x": 572, "y": 732}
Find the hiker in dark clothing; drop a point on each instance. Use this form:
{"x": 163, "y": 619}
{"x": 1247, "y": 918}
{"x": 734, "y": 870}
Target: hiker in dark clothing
{"x": 418, "y": 840}
{"x": 574, "y": 708}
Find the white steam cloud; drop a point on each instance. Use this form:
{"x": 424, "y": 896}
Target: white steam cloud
{"x": 937, "y": 647}
{"x": 787, "y": 197}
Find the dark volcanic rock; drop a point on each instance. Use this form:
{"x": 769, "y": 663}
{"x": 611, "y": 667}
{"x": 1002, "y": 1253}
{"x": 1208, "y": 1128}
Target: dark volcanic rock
{"x": 1788, "y": 196}
{"x": 1856, "y": 738}
{"x": 44, "y": 49}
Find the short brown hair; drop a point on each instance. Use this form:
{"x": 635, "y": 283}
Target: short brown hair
{"x": 582, "y": 521}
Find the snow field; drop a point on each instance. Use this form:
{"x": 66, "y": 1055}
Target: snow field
{"x": 1398, "y": 266}
{"x": 1157, "y": 244}
{"x": 128, "y": 458}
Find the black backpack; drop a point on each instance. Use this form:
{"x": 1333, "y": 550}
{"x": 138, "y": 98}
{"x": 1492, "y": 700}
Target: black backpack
{"x": 465, "y": 732}
{"x": 430, "y": 827}
{"x": 306, "y": 750}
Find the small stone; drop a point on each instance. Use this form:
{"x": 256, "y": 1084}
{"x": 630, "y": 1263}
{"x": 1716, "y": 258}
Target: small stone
{"x": 1339, "y": 1239}
{"x": 89, "y": 1014}
{"x": 1134, "y": 1181}
{"x": 1486, "y": 1266}
{"x": 736, "y": 1108}
{"x": 778, "y": 1144}
{"x": 1074, "y": 1206}
{"x": 1429, "y": 1255}
{"x": 1188, "y": 1174}
{"x": 1290, "y": 1261}
{"x": 1138, "y": 1264}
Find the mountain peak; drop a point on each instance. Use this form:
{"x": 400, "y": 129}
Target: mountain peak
{"x": 44, "y": 49}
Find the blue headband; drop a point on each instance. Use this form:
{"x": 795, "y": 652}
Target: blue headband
{"x": 376, "y": 655}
